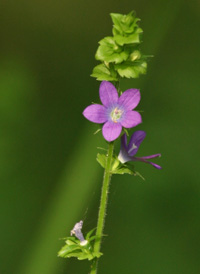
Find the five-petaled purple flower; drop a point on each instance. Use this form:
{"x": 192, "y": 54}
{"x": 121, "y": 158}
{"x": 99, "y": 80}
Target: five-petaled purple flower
{"x": 116, "y": 112}
{"x": 127, "y": 152}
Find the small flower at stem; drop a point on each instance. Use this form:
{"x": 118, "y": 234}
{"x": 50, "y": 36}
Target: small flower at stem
{"x": 127, "y": 152}
{"x": 77, "y": 232}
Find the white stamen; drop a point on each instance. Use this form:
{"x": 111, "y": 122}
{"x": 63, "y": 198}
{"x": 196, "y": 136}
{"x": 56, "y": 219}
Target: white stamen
{"x": 116, "y": 114}
{"x": 132, "y": 148}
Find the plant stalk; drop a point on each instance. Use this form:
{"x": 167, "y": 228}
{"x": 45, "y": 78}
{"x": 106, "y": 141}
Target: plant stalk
{"x": 103, "y": 205}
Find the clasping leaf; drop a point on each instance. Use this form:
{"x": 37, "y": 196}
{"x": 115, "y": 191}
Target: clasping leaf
{"x": 73, "y": 248}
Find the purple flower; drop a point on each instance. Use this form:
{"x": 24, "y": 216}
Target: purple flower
{"x": 77, "y": 232}
{"x": 127, "y": 152}
{"x": 116, "y": 111}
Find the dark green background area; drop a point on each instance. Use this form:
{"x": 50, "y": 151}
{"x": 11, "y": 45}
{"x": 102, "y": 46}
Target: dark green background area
{"x": 48, "y": 173}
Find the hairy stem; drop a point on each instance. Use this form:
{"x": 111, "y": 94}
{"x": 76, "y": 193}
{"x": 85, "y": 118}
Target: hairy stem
{"x": 103, "y": 205}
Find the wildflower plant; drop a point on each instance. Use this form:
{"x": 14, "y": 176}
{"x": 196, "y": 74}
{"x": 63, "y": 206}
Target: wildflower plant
{"x": 120, "y": 57}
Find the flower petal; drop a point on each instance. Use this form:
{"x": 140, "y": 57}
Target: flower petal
{"x": 124, "y": 141}
{"x": 142, "y": 159}
{"x": 123, "y": 154}
{"x": 155, "y": 165}
{"x": 129, "y": 99}
{"x": 135, "y": 141}
{"x": 151, "y": 156}
{"x": 95, "y": 113}
{"x": 131, "y": 119}
{"x": 108, "y": 94}
{"x": 111, "y": 131}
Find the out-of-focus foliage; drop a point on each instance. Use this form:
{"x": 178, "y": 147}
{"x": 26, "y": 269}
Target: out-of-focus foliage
{"x": 48, "y": 172}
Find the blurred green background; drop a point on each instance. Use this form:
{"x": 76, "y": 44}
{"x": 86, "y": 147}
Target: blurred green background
{"x": 48, "y": 173}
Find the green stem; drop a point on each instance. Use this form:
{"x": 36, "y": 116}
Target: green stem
{"x": 103, "y": 204}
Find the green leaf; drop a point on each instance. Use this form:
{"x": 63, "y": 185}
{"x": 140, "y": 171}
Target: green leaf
{"x": 65, "y": 250}
{"x": 80, "y": 255}
{"x": 131, "y": 69}
{"x": 126, "y": 131}
{"x": 109, "y": 42}
{"x": 124, "y": 24}
{"x": 97, "y": 254}
{"x": 81, "y": 252}
{"x": 84, "y": 256}
{"x": 122, "y": 170}
{"x": 97, "y": 131}
{"x": 115, "y": 164}
{"x": 109, "y": 51}
{"x": 126, "y": 168}
{"x": 90, "y": 233}
{"x": 135, "y": 55}
{"x": 94, "y": 238}
{"x": 101, "y": 159}
{"x": 102, "y": 72}
{"x": 70, "y": 242}
{"x": 116, "y": 168}
{"x": 131, "y": 39}
{"x": 138, "y": 174}
{"x": 72, "y": 254}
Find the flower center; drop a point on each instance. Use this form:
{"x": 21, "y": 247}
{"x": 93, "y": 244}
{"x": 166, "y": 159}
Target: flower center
{"x": 116, "y": 114}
